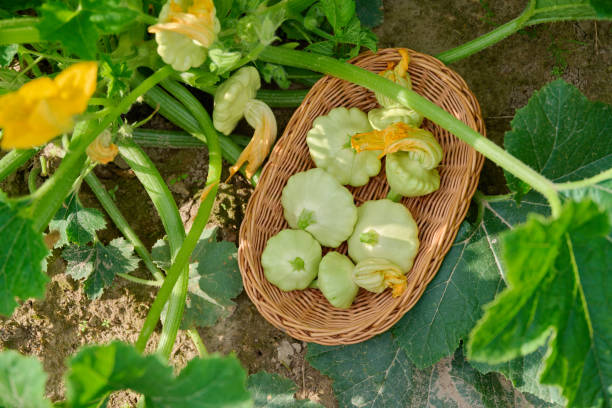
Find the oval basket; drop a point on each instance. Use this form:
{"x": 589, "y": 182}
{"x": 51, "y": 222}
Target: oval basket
{"x": 307, "y": 315}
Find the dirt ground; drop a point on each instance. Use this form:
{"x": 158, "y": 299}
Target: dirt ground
{"x": 502, "y": 77}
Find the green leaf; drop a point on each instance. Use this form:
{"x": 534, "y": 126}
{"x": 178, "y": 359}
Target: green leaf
{"x": 470, "y": 276}
{"x": 271, "y": 72}
{"x": 559, "y": 10}
{"x": 205, "y": 383}
{"x": 81, "y": 226}
{"x": 338, "y": 12}
{"x": 377, "y": 373}
{"x": 273, "y": 391}
{"x": 524, "y": 372}
{"x": 79, "y": 29}
{"x": 7, "y": 53}
{"x": 562, "y": 135}
{"x": 22, "y": 254}
{"x": 557, "y": 293}
{"x": 99, "y": 264}
{"x": 214, "y": 279}
{"x": 22, "y": 381}
{"x": 71, "y": 205}
{"x": 603, "y": 8}
{"x": 12, "y": 5}
{"x": 370, "y": 12}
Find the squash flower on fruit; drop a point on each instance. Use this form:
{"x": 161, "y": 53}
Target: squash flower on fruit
{"x": 377, "y": 274}
{"x": 234, "y": 99}
{"x": 186, "y": 29}
{"x": 102, "y": 150}
{"x": 412, "y": 157}
{"x": 45, "y": 108}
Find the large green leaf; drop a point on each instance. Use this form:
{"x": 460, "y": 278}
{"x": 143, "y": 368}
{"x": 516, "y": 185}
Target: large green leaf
{"x": 470, "y": 276}
{"x": 7, "y": 53}
{"x": 99, "y": 264}
{"x": 75, "y": 223}
{"x": 218, "y": 382}
{"x": 214, "y": 279}
{"x": 273, "y": 391}
{"x": 524, "y": 372}
{"x": 562, "y": 135}
{"x": 22, "y": 381}
{"x": 22, "y": 253}
{"x": 559, "y": 10}
{"x": 377, "y": 373}
{"x": 558, "y": 294}
{"x": 338, "y": 12}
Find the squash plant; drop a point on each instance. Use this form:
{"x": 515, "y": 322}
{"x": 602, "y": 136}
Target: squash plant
{"x": 529, "y": 273}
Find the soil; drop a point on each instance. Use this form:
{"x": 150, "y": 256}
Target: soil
{"x": 502, "y": 77}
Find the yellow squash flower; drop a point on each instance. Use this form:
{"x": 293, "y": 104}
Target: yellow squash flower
{"x": 377, "y": 274}
{"x": 398, "y": 74}
{"x": 186, "y": 29}
{"x": 102, "y": 150}
{"x": 260, "y": 116}
{"x": 44, "y": 108}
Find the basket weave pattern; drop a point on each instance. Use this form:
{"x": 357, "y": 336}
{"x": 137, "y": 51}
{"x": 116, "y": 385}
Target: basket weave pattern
{"x": 307, "y": 315}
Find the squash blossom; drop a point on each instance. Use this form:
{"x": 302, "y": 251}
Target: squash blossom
{"x": 235, "y": 99}
{"x": 377, "y": 274}
{"x": 186, "y": 29}
{"x": 398, "y": 74}
{"x": 44, "y": 108}
{"x": 102, "y": 150}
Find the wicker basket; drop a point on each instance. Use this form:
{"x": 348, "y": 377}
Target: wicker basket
{"x": 307, "y": 315}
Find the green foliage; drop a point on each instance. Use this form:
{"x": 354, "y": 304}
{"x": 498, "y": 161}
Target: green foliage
{"x": 273, "y": 391}
{"x": 21, "y": 258}
{"x": 99, "y": 264}
{"x": 205, "y": 383}
{"x": 79, "y": 28}
{"x": 13, "y": 6}
{"x": 562, "y": 135}
{"x": 603, "y": 8}
{"x": 370, "y": 12}
{"x": 214, "y": 279}
{"x": 7, "y": 53}
{"x": 338, "y": 12}
{"x": 556, "y": 293}
{"x": 75, "y": 223}
{"x": 377, "y": 373}
{"x": 22, "y": 381}
{"x": 276, "y": 73}
{"x": 557, "y": 10}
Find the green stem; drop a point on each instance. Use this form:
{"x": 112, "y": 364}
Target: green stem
{"x": 166, "y": 207}
{"x": 197, "y": 340}
{"x": 13, "y": 160}
{"x": 572, "y": 185}
{"x": 147, "y": 282}
{"x": 428, "y": 109}
{"x": 394, "y": 196}
{"x": 32, "y": 179}
{"x": 166, "y": 139}
{"x": 181, "y": 261}
{"x": 19, "y": 35}
{"x": 121, "y": 223}
{"x": 48, "y": 198}
{"x": 274, "y": 98}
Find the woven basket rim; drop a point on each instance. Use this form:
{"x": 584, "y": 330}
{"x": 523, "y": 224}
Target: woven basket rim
{"x": 293, "y": 312}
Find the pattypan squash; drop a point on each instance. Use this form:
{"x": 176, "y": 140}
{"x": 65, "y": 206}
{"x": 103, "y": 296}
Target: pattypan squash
{"x": 377, "y": 274}
{"x": 315, "y": 202}
{"x": 329, "y": 142}
{"x": 291, "y": 259}
{"x": 384, "y": 230}
{"x": 381, "y": 118}
{"x": 232, "y": 96}
{"x": 408, "y": 177}
{"x": 336, "y": 280}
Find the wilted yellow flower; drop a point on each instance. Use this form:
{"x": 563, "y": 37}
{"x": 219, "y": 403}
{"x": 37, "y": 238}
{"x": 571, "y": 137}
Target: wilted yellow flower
{"x": 260, "y": 116}
{"x": 398, "y": 74}
{"x": 401, "y": 137}
{"x": 44, "y": 108}
{"x": 102, "y": 150}
{"x": 377, "y": 274}
{"x": 187, "y": 28}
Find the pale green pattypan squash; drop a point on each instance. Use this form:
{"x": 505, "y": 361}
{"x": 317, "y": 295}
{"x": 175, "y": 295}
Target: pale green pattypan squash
{"x": 384, "y": 230}
{"x": 232, "y": 97}
{"x": 408, "y": 177}
{"x": 382, "y": 118}
{"x": 291, "y": 259}
{"x": 398, "y": 74}
{"x": 377, "y": 274}
{"x": 186, "y": 29}
{"x": 329, "y": 142}
{"x": 315, "y": 202}
{"x": 336, "y": 280}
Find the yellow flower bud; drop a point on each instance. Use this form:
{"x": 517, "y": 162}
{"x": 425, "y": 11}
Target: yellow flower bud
{"x": 102, "y": 150}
